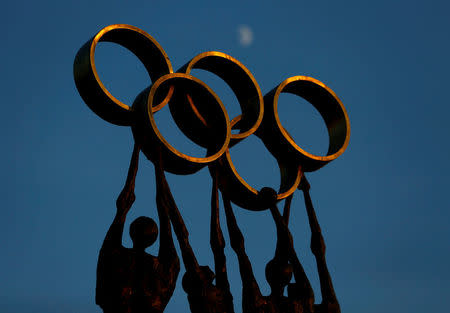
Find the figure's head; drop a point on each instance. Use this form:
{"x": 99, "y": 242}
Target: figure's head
{"x": 192, "y": 281}
{"x": 278, "y": 275}
{"x": 207, "y": 274}
{"x": 267, "y": 196}
{"x": 143, "y": 232}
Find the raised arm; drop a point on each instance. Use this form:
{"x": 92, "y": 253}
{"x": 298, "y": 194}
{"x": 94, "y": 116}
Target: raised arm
{"x": 282, "y": 248}
{"x": 287, "y": 209}
{"x": 216, "y": 238}
{"x": 329, "y": 300}
{"x": 124, "y": 202}
{"x": 165, "y": 199}
{"x": 268, "y": 199}
{"x": 237, "y": 243}
{"x": 302, "y": 281}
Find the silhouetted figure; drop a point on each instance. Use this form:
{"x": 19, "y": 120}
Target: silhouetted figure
{"x": 329, "y": 303}
{"x": 130, "y": 280}
{"x": 300, "y": 294}
{"x": 203, "y": 295}
{"x": 278, "y": 271}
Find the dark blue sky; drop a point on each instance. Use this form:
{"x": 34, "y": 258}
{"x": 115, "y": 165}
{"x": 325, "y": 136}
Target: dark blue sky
{"x": 383, "y": 205}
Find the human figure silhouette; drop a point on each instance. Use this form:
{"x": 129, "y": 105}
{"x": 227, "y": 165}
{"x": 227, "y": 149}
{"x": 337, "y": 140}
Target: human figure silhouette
{"x": 300, "y": 294}
{"x": 130, "y": 280}
{"x": 278, "y": 271}
{"x": 278, "y": 275}
{"x": 203, "y": 295}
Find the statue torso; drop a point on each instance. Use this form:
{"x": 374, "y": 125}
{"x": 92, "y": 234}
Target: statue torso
{"x": 131, "y": 281}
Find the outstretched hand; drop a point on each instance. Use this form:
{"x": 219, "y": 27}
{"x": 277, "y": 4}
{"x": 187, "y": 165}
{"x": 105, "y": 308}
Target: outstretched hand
{"x": 125, "y": 200}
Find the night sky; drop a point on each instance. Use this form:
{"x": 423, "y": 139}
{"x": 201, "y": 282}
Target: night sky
{"x": 383, "y": 205}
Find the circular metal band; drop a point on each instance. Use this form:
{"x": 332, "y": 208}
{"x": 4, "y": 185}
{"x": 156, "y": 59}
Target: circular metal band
{"x": 201, "y": 116}
{"x": 240, "y": 80}
{"x": 216, "y": 139}
{"x": 244, "y": 195}
{"x": 91, "y": 88}
{"x": 282, "y": 145}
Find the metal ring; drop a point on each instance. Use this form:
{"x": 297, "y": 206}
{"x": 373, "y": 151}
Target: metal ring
{"x": 216, "y": 139}
{"x": 241, "y": 81}
{"x": 91, "y": 88}
{"x": 278, "y": 140}
{"x": 244, "y": 195}
{"x": 201, "y": 116}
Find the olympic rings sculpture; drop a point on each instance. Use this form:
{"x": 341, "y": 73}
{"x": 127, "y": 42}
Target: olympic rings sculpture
{"x": 201, "y": 116}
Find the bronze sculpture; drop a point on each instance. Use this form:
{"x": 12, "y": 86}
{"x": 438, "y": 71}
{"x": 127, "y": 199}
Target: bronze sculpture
{"x": 130, "y": 280}
{"x": 278, "y": 270}
{"x": 300, "y": 294}
{"x": 203, "y": 295}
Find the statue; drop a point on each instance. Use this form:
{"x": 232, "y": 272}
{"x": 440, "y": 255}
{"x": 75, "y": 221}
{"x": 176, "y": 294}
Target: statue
{"x": 203, "y": 295}
{"x": 130, "y": 280}
{"x": 285, "y": 261}
{"x": 278, "y": 274}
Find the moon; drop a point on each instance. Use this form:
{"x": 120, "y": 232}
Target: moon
{"x": 245, "y": 34}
